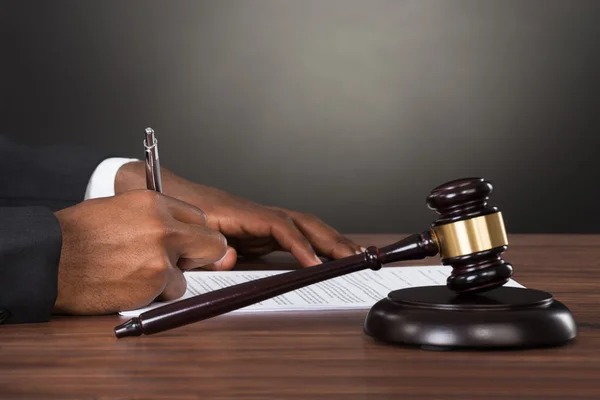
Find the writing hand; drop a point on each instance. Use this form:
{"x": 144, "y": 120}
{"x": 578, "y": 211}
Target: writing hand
{"x": 251, "y": 228}
{"x": 125, "y": 251}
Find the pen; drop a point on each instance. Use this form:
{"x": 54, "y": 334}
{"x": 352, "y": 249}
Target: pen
{"x": 153, "y": 182}
{"x": 153, "y": 179}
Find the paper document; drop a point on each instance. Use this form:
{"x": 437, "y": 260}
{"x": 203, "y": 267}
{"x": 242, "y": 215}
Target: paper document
{"x": 357, "y": 290}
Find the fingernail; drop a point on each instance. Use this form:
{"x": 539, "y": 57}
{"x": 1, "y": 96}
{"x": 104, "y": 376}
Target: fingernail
{"x": 219, "y": 264}
{"x": 318, "y": 260}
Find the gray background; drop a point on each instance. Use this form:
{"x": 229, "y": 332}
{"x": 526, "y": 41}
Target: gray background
{"x": 351, "y": 110}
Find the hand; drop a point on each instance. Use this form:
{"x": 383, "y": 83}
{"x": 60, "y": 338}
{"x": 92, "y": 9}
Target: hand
{"x": 251, "y": 229}
{"x": 123, "y": 252}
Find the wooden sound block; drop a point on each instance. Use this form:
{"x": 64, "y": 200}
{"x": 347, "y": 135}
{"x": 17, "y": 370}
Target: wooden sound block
{"x": 434, "y": 317}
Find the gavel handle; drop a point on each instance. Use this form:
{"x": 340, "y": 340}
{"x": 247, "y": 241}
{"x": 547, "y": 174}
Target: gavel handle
{"x": 234, "y": 297}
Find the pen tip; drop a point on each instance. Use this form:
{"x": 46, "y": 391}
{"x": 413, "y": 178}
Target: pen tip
{"x": 133, "y": 327}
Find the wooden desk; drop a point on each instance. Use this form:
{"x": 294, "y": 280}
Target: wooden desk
{"x": 309, "y": 356}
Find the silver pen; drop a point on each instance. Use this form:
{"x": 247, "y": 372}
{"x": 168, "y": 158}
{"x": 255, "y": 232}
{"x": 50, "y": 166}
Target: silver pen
{"x": 153, "y": 179}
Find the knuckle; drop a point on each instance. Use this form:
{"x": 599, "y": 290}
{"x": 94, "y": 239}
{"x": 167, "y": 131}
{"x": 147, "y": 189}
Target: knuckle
{"x": 342, "y": 240}
{"x": 159, "y": 266}
{"x": 158, "y": 229}
{"x": 155, "y": 275}
{"x": 306, "y": 217}
{"x": 146, "y": 197}
{"x": 282, "y": 216}
{"x": 167, "y": 231}
{"x": 311, "y": 217}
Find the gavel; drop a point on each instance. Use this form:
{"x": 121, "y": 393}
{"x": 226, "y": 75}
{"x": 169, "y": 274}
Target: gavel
{"x": 469, "y": 235}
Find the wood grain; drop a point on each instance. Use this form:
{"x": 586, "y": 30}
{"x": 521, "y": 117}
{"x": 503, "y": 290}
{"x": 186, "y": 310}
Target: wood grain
{"x": 313, "y": 355}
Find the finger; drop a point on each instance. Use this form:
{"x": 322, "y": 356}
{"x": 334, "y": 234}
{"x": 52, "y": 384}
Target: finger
{"x": 256, "y": 242}
{"x": 291, "y": 239}
{"x": 224, "y": 264}
{"x": 243, "y": 243}
{"x": 175, "y": 287}
{"x": 326, "y": 240}
{"x": 258, "y": 250}
{"x": 197, "y": 246}
{"x": 255, "y": 247}
{"x": 183, "y": 211}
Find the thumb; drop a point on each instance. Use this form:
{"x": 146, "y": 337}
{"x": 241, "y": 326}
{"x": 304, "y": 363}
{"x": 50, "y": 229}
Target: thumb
{"x": 224, "y": 264}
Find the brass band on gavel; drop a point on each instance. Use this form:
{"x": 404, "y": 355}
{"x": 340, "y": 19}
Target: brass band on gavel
{"x": 470, "y": 236}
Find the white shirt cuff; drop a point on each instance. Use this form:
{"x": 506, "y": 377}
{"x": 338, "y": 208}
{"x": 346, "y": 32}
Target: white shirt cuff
{"x": 102, "y": 181}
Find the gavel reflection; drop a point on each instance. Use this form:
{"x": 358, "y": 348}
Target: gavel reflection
{"x": 469, "y": 235}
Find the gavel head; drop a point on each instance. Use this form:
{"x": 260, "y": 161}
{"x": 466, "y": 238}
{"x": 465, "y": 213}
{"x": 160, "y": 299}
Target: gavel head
{"x": 470, "y": 235}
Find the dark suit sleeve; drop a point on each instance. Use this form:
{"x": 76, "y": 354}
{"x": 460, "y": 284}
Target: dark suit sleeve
{"x": 30, "y": 243}
{"x": 54, "y": 177}
{"x": 34, "y": 183}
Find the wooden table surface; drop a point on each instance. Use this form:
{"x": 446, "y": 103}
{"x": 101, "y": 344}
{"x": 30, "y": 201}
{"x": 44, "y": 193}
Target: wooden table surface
{"x": 314, "y": 355}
